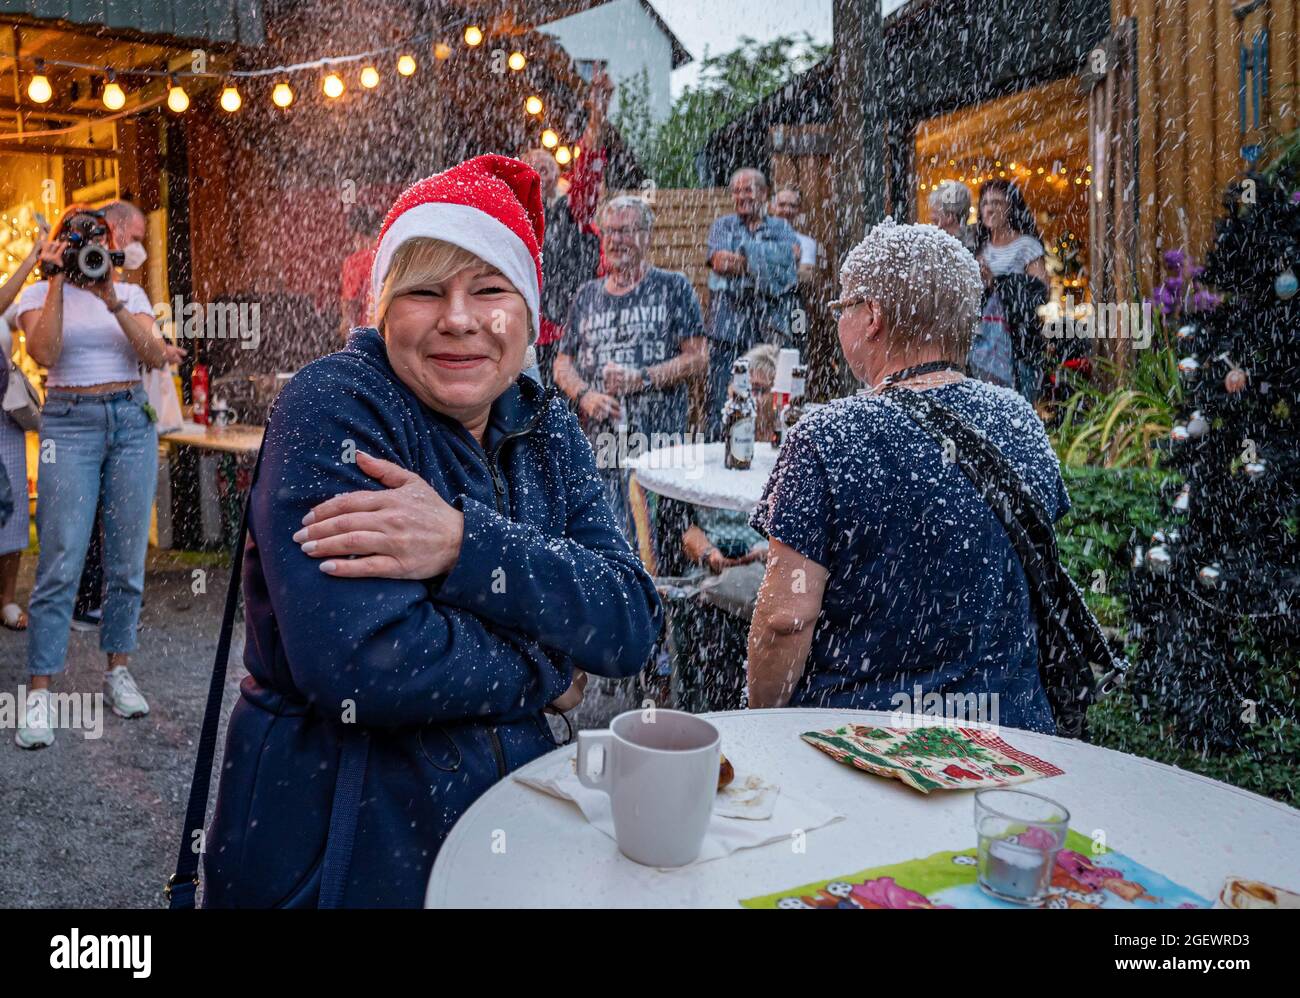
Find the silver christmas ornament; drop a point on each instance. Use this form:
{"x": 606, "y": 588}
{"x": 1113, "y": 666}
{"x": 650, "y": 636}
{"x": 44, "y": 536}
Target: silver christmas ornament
{"x": 1189, "y": 367}
{"x": 1158, "y": 537}
{"x": 1255, "y": 469}
{"x": 1184, "y": 500}
{"x": 1187, "y": 332}
{"x": 1179, "y": 433}
{"x": 1159, "y": 560}
{"x": 1198, "y": 425}
{"x": 1209, "y": 575}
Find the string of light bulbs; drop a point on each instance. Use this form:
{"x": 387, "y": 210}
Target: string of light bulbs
{"x": 333, "y": 86}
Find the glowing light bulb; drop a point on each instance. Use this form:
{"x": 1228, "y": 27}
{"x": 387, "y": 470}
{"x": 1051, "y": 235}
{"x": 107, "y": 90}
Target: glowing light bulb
{"x": 39, "y": 89}
{"x": 562, "y": 155}
{"x": 406, "y": 64}
{"x": 370, "y": 77}
{"x": 282, "y": 95}
{"x": 442, "y": 51}
{"x": 549, "y": 139}
{"x": 114, "y": 98}
{"x": 473, "y": 35}
{"x": 177, "y": 99}
{"x": 533, "y": 105}
{"x": 517, "y": 61}
{"x": 230, "y": 100}
{"x": 332, "y": 86}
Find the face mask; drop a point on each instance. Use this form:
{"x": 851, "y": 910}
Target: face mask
{"x": 135, "y": 255}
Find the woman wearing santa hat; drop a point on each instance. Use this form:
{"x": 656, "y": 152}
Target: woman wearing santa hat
{"x": 430, "y": 564}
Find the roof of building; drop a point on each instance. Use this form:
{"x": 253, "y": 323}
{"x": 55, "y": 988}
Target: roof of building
{"x": 227, "y": 21}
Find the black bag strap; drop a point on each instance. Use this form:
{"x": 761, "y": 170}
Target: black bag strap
{"x": 1058, "y": 601}
{"x": 183, "y": 884}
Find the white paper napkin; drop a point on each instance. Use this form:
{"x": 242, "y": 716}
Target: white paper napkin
{"x": 725, "y": 835}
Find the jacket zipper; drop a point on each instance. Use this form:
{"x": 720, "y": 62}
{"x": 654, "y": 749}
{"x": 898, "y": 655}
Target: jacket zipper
{"x": 499, "y": 751}
{"x": 499, "y": 492}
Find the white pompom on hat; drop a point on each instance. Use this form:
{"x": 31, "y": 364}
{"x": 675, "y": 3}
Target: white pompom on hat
{"x": 489, "y": 205}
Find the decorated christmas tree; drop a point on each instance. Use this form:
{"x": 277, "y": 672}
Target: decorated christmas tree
{"x": 1216, "y": 592}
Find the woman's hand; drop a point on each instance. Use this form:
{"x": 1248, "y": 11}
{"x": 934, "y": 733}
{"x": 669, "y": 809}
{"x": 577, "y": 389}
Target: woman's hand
{"x": 571, "y": 697}
{"x": 173, "y": 353}
{"x": 104, "y": 290}
{"x": 41, "y": 239}
{"x": 52, "y": 252}
{"x": 406, "y": 531}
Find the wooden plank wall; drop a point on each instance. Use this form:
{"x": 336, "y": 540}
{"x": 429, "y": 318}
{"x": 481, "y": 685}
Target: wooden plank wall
{"x": 1188, "y": 119}
{"x": 681, "y": 230}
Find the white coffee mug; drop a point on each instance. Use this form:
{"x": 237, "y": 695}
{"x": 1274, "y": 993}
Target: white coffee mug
{"x": 660, "y": 769}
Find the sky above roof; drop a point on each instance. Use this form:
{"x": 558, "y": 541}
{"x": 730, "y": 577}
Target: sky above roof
{"x": 719, "y": 24}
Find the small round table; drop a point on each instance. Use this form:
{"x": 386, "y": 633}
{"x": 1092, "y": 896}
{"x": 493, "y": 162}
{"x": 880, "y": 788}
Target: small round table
{"x": 1194, "y": 830}
{"x": 697, "y": 473}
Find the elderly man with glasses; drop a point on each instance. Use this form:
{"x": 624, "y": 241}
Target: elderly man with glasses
{"x": 633, "y": 340}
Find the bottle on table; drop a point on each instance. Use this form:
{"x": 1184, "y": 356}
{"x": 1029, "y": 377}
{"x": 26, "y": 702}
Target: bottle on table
{"x": 199, "y": 394}
{"x": 738, "y": 417}
{"x": 794, "y": 408}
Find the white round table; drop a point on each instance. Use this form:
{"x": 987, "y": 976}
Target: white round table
{"x": 697, "y": 473}
{"x": 517, "y": 847}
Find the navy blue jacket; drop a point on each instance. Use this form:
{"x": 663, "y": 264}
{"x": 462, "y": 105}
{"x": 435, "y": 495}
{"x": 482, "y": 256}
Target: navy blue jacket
{"x": 447, "y": 677}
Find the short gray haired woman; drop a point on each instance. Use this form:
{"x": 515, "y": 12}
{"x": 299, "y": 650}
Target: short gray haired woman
{"x": 949, "y": 204}
{"x": 887, "y": 570}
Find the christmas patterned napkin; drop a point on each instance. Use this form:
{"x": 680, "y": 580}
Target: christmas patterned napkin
{"x": 932, "y": 757}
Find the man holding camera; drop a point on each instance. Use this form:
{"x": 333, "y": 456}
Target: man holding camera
{"x": 98, "y": 447}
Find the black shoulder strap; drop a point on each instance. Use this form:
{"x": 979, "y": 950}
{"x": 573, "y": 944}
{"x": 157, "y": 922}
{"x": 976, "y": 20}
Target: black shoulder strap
{"x": 182, "y": 885}
{"x": 1027, "y": 525}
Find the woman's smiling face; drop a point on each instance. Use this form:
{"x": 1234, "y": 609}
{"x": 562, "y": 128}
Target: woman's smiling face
{"x": 458, "y": 344}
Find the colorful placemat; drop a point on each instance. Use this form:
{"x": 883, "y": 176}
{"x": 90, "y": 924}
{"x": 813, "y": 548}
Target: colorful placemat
{"x": 934, "y": 757}
{"x": 1086, "y": 876}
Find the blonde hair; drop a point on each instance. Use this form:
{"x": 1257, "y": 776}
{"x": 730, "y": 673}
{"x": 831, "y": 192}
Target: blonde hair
{"x": 417, "y": 264}
{"x": 927, "y": 283}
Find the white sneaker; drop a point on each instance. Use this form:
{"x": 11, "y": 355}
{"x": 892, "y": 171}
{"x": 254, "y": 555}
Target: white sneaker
{"x": 37, "y": 729}
{"x": 123, "y": 695}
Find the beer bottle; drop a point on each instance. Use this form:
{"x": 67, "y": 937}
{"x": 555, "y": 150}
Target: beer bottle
{"x": 738, "y": 416}
{"x": 794, "y": 408}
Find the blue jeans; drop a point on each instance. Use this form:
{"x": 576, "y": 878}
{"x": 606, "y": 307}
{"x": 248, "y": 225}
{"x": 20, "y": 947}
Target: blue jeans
{"x": 92, "y": 446}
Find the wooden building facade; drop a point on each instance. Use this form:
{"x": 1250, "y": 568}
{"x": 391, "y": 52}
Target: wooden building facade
{"x": 1123, "y": 122}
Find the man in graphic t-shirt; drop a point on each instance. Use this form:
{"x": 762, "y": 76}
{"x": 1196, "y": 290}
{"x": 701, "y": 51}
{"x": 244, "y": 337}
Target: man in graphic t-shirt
{"x": 633, "y": 340}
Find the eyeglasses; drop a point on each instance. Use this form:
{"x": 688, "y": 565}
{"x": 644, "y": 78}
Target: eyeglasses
{"x": 838, "y": 308}
{"x": 609, "y": 231}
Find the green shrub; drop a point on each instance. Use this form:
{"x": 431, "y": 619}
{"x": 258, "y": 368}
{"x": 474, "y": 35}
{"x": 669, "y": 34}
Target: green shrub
{"x": 1111, "y": 510}
{"x": 1116, "y": 429}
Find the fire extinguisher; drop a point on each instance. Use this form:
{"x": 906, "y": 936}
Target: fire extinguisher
{"x": 199, "y": 393}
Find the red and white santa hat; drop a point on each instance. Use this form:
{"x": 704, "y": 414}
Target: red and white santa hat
{"x": 489, "y": 205}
